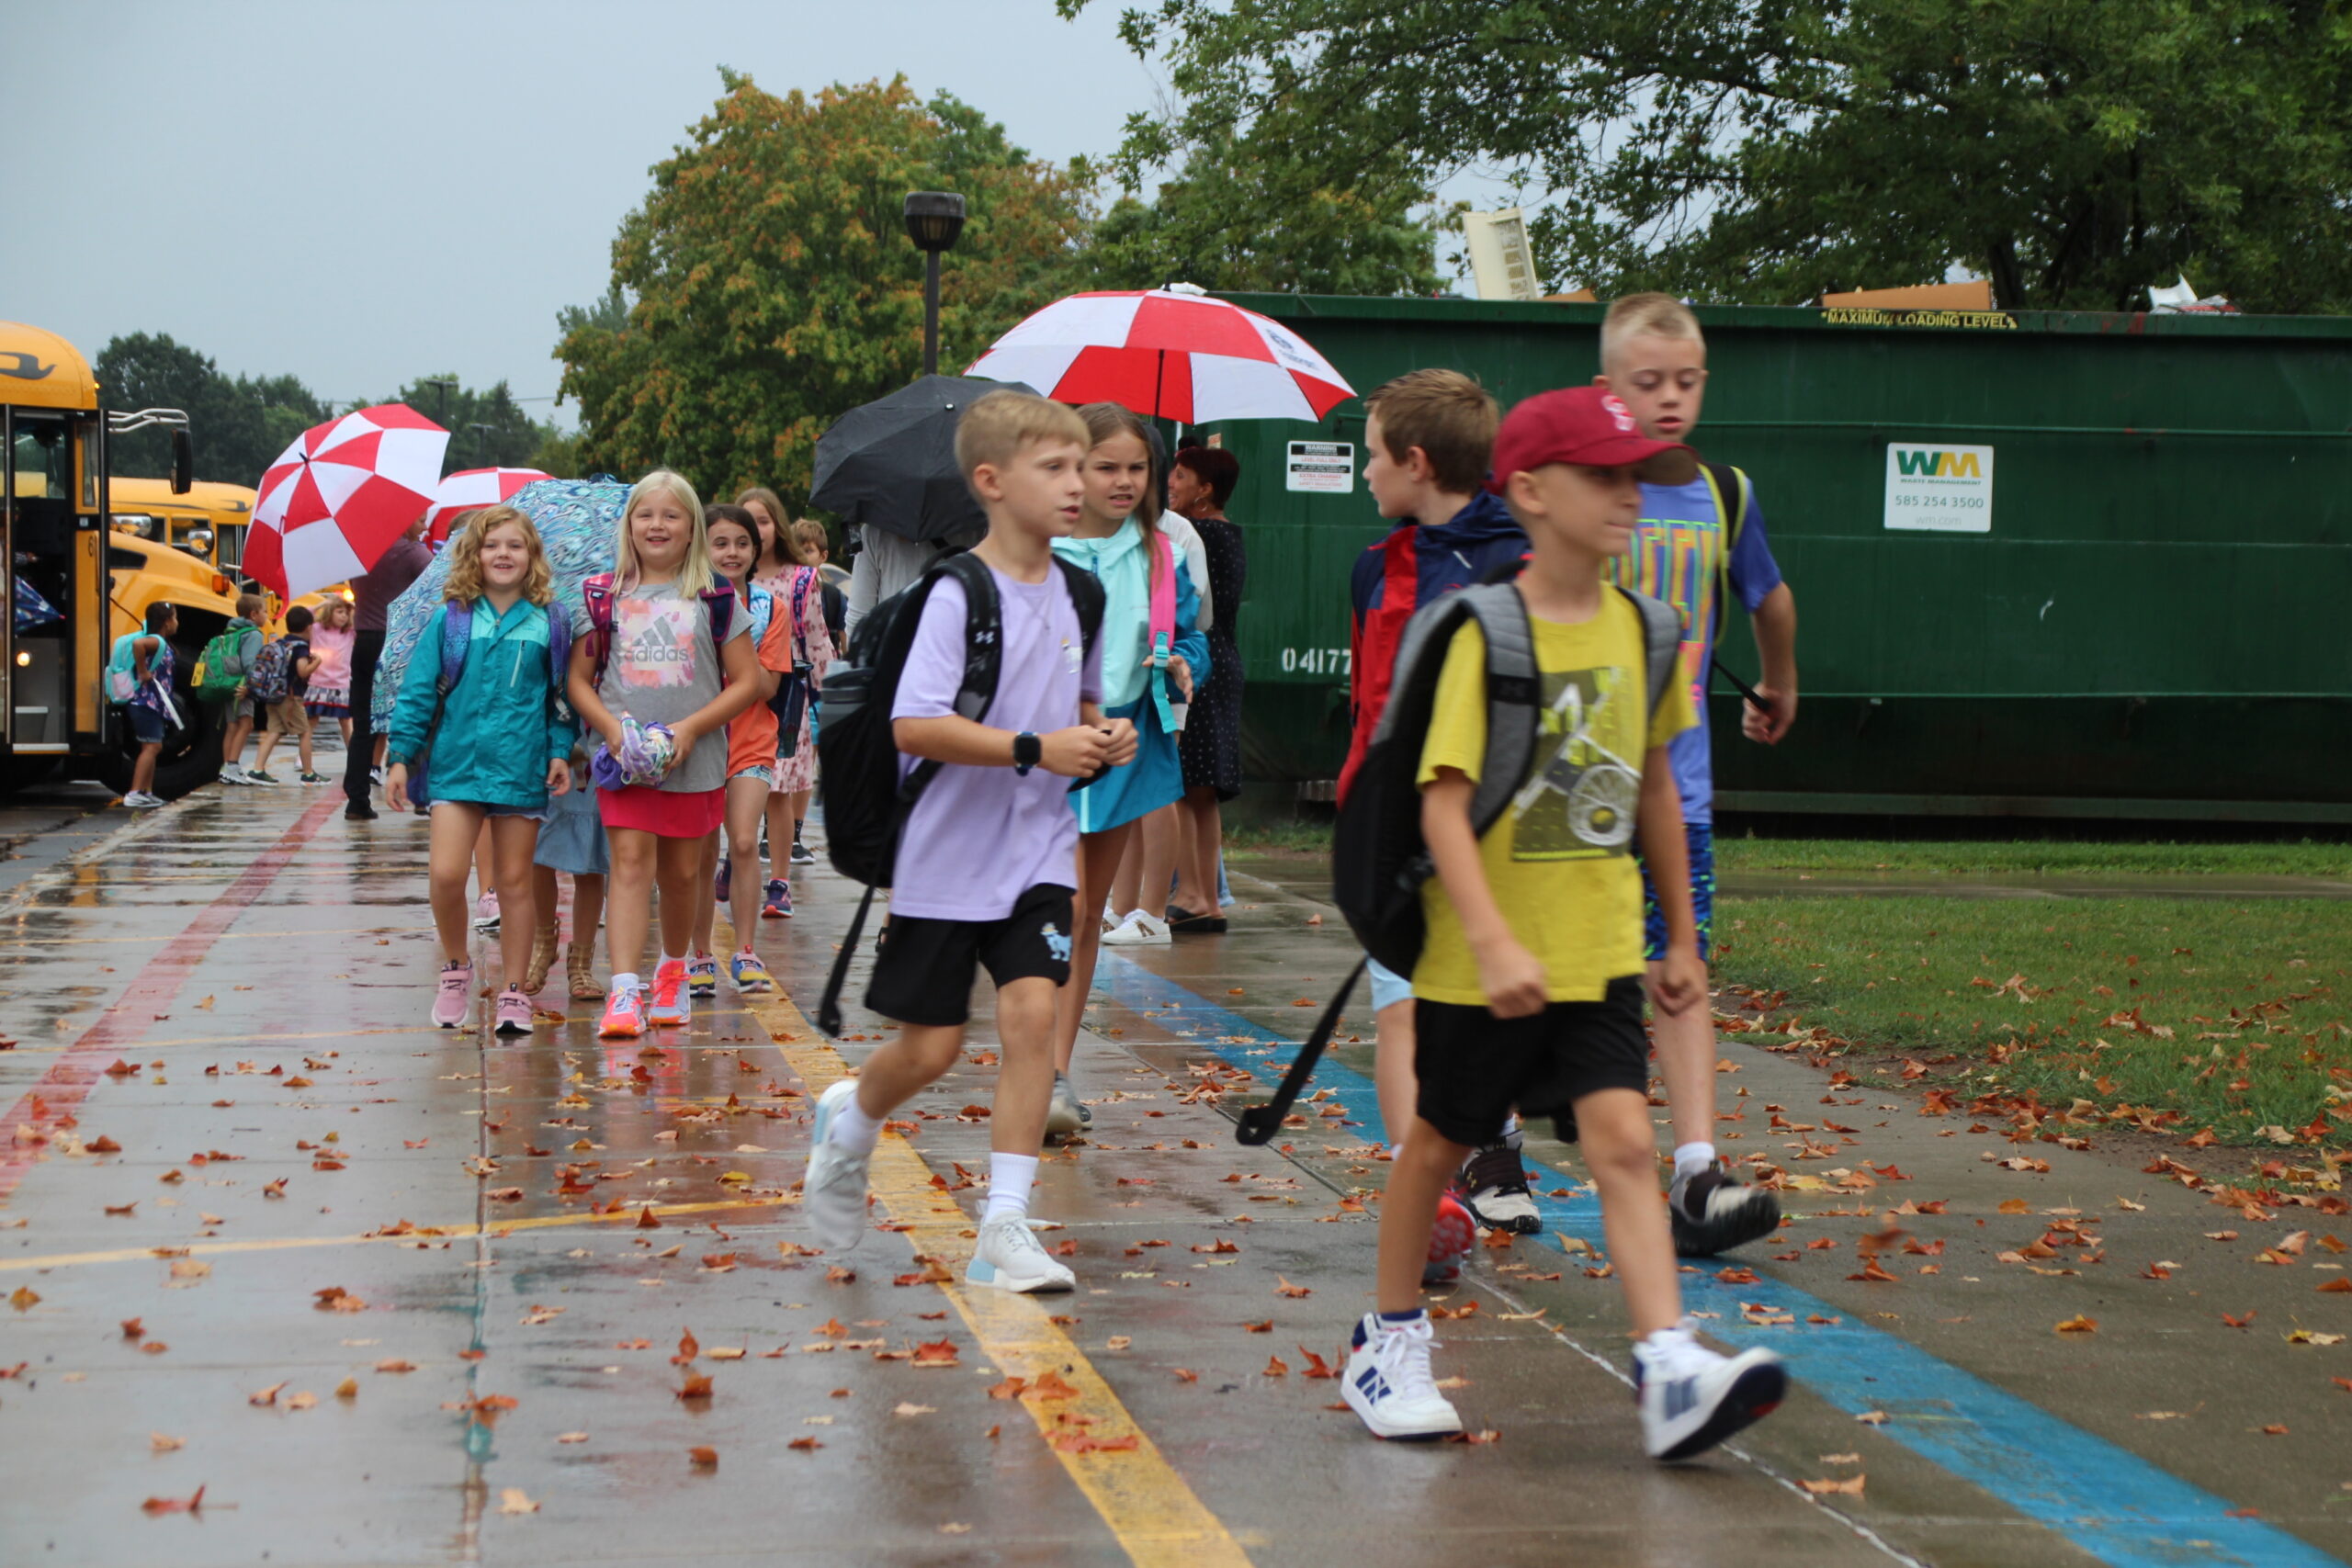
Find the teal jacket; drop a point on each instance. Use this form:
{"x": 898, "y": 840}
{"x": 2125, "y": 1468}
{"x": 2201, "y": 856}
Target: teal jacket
{"x": 499, "y": 725}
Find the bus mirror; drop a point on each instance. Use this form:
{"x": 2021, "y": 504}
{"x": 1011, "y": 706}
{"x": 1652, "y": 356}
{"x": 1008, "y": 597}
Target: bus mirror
{"x": 182, "y": 462}
{"x": 199, "y": 540}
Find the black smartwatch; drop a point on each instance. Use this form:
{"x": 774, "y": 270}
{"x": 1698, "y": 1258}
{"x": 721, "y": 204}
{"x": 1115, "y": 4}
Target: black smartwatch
{"x": 1027, "y": 752}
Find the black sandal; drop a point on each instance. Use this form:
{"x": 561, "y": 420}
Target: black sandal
{"x": 1181, "y": 922}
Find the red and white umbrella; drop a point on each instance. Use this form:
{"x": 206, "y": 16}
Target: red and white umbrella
{"x": 469, "y": 490}
{"x": 1172, "y": 352}
{"x": 335, "y": 500}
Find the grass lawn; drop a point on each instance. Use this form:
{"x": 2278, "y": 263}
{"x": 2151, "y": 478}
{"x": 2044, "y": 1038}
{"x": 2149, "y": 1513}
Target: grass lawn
{"x": 2031, "y": 856}
{"x": 2234, "y": 1014}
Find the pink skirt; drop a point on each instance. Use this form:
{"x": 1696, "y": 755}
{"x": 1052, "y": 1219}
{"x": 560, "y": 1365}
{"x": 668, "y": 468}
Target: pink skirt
{"x": 666, "y": 814}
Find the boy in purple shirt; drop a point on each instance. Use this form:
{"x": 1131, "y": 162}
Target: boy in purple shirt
{"x": 988, "y": 858}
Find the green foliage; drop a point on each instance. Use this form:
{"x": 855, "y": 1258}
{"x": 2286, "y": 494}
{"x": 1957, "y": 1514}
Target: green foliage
{"x": 1764, "y": 150}
{"x": 766, "y": 285}
{"x": 1229, "y": 225}
{"x": 488, "y": 429}
{"x": 238, "y": 426}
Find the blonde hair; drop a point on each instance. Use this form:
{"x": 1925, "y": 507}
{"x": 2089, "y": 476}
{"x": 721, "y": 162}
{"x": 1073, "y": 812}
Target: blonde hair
{"x": 1446, "y": 413}
{"x": 996, "y": 427}
{"x": 465, "y": 584}
{"x": 695, "y": 573}
{"x": 1646, "y": 315}
{"x": 328, "y": 608}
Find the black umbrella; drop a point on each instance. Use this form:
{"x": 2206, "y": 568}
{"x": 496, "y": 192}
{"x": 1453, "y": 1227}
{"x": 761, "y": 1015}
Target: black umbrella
{"x": 891, "y": 463}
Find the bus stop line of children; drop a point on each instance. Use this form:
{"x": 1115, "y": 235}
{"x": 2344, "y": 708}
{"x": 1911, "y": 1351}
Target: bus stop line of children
{"x": 1543, "y": 936}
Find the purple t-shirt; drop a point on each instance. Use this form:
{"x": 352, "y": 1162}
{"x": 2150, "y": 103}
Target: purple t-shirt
{"x": 981, "y": 837}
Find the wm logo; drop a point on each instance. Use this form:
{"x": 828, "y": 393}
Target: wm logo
{"x": 1938, "y": 465}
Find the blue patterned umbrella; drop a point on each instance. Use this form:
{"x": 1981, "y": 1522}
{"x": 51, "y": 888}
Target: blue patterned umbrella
{"x": 31, "y": 609}
{"x": 578, "y": 521}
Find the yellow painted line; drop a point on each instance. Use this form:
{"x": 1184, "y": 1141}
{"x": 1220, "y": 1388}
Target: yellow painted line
{"x": 1159, "y": 1519}
{"x": 441, "y": 1232}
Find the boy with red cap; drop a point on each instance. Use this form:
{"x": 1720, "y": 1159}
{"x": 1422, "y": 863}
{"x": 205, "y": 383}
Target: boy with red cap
{"x": 1528, "y": 991}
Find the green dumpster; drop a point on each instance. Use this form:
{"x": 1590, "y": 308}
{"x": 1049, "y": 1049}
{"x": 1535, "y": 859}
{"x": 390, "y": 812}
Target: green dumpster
{"x": 2046, "y": 563}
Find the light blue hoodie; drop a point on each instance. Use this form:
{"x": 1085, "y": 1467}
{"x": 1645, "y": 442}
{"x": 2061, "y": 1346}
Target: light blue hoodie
{"x": 499, "y": 727}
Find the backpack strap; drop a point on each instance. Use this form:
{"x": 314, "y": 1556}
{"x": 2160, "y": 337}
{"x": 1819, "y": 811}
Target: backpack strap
{"x": 1514, "y": 695}
{"x": 1086, "y": 596}
{"x": 983, "y": 658}
{"x": 1661, "y": 646}
{"x": 596, "y": 593}
{"x": 1730, "y": 487}
{"x": 718, "y": 608}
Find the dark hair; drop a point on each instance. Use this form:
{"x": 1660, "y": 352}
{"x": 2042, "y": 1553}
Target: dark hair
{"x": 727, "y": 511}
{"x": 1214, "y": 467}
{"x": 160, "y": 615}
{"x": 299, "y": 619}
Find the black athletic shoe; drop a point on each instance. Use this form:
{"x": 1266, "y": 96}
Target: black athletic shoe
{"x": 1712, "y": 1213}
{"x": 1494, "y": 1186}
{"x": 359, "y": 811}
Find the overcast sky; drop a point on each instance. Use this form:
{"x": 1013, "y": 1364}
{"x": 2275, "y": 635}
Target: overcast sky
{"x": 362, "y": 193}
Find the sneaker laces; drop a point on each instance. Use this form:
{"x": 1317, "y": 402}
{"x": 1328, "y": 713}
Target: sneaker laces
{"x": 1015, "y": 1237}
{"x": 1495, "y": 1168}
{"x": 665, "y": 986}
{"x": 1402, "y": 1353}
{"x": 1676, "y": 1352}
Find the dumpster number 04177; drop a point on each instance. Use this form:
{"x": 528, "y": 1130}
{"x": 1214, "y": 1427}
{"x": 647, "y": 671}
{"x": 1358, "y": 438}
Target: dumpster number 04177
{"x": 1316, "y": 660}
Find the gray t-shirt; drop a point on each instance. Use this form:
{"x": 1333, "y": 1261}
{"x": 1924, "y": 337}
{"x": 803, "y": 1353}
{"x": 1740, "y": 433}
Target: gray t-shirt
{"x": 665, "y": 668}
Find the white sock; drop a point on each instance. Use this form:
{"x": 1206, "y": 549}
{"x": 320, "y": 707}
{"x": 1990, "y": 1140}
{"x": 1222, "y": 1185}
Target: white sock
{"x": 1689, "y": 1160}
{"x": 668, "y": 959}
{"x": 1009, "y": 1180}
{"x": 853, "y": 1130}
{"x": 629, "y": 981}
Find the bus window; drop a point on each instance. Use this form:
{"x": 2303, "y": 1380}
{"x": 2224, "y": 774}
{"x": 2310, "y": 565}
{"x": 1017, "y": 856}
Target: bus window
{"x": 43, "y": 464}
{"x": 92, "y": 465}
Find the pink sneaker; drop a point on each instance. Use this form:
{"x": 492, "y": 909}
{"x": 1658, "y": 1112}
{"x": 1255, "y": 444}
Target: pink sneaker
{"x": 673, "y": 1004}
{"x": 514, "y": 1011}
{"x": 449, "y": 1001}
{"x": 1451, "y": 1240}
{"x": 623, "y": 1014}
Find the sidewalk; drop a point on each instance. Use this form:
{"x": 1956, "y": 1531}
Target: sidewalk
{"x": 353, "y": 1190}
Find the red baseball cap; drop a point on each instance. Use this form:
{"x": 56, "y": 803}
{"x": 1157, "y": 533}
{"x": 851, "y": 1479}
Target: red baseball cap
{"x": 1585, "y": 425}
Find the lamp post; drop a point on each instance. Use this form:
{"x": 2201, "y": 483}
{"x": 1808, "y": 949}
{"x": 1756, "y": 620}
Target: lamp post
{"x": 934, "y": 217}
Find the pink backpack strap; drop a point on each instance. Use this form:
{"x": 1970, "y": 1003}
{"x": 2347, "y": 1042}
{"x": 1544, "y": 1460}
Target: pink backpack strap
{"x": 1163, "y": 589}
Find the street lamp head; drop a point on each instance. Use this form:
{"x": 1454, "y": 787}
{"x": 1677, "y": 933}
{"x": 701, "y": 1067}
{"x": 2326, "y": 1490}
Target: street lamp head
{"x": 934, "y": 217}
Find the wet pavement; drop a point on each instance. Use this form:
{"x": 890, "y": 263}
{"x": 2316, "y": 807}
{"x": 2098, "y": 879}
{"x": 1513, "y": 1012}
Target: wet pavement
{"x": 392, "y": 1294}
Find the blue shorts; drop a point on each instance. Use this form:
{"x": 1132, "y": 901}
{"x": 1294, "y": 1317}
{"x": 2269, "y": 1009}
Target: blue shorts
{"x": 1701, "y": 839}
{"x": 1389, "y": 988}
{"x": 146, "y": 725}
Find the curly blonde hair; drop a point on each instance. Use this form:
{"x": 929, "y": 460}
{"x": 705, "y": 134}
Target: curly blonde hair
{"x": 466, "y": 585}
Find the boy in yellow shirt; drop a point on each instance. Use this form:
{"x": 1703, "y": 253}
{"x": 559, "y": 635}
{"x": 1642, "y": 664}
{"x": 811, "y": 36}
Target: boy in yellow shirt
{"x": 1528, "y": 991}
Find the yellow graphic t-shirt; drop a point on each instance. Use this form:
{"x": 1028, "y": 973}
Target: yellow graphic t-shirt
{"x": 1560, "y": 861}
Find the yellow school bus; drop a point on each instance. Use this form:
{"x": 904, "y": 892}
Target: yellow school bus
{"x": 74, "y": 583}
{"x": 207, "y": 520}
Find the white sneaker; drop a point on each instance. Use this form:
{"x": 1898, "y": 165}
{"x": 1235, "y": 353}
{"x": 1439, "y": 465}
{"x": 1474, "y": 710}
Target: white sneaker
{"x": 1008, "y": 1257}
{"x": 833, "y": 1193}
{"x": 234, "y": 774}
{"x": 1064, "y": 1114}
{"x": 1388, "y": 1385}
{"x": 1138, "y": 930}
{"x": 1691, "y": 1399}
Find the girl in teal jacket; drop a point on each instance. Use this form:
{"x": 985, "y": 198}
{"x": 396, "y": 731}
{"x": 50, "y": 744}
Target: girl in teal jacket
{"x": 497, "y": 737}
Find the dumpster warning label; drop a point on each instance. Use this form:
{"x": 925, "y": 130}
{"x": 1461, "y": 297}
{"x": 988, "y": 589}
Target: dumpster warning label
{"x": 1328, "y": 467}
{"x": 1939, "y": 489}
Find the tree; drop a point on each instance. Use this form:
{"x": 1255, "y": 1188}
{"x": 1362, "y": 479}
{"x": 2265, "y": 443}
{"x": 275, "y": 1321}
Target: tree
{"x": 238, "y": 426}
{"x": 488, "y": 429}
{"x": 1225, "y": 226}
{"x": 766, "y": 285}
{"x": 1766, "y": 150}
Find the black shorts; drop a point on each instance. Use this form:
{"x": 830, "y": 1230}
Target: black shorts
{"x": 1475, "y": 1068}
{"x": 924, "y": 973}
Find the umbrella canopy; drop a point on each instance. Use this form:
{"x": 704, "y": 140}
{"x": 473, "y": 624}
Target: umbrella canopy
{"x": 1173, "y": 351}
{"x": 468, "y": 489}
{"x": 891, "y": 463}
{"x": 579, "y": 523}
{"x": 336, "y": 499}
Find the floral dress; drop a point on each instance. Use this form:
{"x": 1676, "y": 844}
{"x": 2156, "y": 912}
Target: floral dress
{"x": 801, "y": 588}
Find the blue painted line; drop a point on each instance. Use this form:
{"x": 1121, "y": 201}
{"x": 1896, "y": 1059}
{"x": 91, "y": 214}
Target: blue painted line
{"x": 2105, "y": 1499}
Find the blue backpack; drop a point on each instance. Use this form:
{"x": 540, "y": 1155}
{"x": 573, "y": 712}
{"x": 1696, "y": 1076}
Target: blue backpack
{"x": 457, "y": 641}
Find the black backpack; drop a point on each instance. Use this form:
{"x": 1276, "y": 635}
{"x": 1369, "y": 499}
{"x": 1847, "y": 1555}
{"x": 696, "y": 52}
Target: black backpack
{"x": 1378, "y": 858}
{"x": 866, "y": 804}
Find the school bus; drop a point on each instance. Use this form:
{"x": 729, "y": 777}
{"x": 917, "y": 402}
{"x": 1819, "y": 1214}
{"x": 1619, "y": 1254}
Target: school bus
{"x": 207, "y": 520}
{"x": 74, "y": 583}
